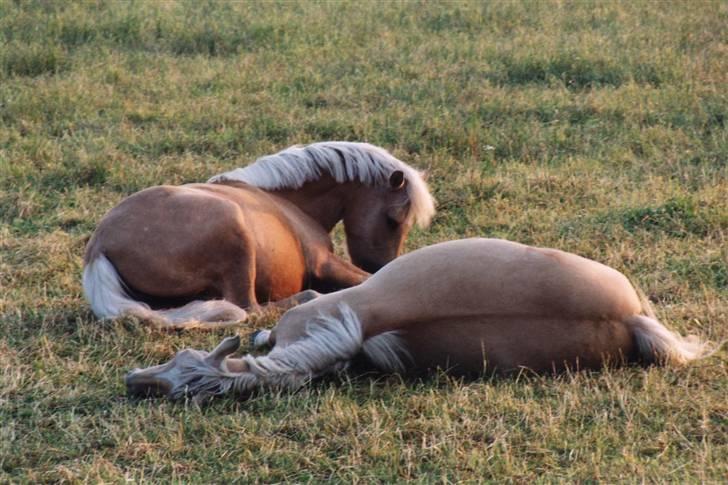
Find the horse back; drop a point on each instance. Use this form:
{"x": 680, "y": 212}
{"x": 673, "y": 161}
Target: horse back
{"x": 495, "y": 277}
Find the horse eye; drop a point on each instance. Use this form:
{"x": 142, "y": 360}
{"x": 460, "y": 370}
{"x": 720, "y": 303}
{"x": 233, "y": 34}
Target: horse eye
{"x": 392, "y": 223}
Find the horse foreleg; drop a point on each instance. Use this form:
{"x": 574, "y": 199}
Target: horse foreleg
{"x": 264, "y": 338}
{"x": 298, "y": 299}
{"x": 238, "y": 286}
{"x": 336, "y": 274}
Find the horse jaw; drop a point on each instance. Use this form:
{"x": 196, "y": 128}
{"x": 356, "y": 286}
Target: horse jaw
{"x": 190, "y": 372}
{"x": 161, "y": 380}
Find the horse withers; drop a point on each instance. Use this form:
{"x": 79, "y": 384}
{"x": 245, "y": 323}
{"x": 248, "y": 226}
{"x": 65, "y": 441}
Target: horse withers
{"x": 253, "y": 235}
{"x": 471, "y": 306}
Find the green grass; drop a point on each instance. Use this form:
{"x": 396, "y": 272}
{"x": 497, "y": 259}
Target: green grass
{"x": 597, "y": 128}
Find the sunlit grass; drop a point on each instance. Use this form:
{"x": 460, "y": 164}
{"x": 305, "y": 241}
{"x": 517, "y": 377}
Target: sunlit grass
{"x": 595, "y": 128}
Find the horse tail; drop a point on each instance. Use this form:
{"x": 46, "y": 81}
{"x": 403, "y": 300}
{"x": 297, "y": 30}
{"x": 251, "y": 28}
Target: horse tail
{"x": 657, "y": 344}
{"x": 106, "y": 292}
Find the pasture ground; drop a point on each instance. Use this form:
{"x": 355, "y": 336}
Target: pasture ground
{"x": 597, "y": 128}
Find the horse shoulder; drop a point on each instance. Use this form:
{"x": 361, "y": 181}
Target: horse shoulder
{"x": 315, "y": 242}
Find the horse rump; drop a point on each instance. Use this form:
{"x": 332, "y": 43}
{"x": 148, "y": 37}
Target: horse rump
{"x": 109, "y": 298}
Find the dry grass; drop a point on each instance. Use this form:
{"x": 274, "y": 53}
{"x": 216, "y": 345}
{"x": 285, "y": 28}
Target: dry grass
{"x": 594, "y": 128}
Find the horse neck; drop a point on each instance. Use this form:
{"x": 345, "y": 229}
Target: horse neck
{"x": 323, "y": 200}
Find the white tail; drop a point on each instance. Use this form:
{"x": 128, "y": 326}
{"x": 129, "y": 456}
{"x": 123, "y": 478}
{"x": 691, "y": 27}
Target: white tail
{"x": 108, "y": 297}
{"x": 658, "y": 344}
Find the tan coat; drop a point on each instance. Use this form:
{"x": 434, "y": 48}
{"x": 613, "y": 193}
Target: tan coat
{"x": 468, "y": 306}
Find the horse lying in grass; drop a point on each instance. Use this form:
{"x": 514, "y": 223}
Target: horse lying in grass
{"x": 256, "y": 234}
{"x": 468, "y": 307}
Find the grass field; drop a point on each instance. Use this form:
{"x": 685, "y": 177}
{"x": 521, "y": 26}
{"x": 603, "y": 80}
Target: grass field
{"x": 597, "y": 128}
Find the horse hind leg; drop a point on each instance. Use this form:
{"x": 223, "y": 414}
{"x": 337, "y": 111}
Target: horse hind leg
{"x": 214, "y": 314}
{"x": 237, "y": 285}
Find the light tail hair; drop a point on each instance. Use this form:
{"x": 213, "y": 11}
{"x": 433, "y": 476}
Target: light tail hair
{"x": 109, "y": 298}
{"x": 657, "y": 344}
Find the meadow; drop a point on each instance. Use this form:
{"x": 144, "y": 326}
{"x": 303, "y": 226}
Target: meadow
{"x": 593, "y": 127}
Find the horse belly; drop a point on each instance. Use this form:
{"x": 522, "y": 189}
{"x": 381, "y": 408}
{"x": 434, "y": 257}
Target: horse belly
{"x": 505, "y": 345}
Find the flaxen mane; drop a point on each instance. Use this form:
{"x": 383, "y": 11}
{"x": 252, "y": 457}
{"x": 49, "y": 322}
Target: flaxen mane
{"x": 344, "y": 161}
{"x": 329, "y": 346}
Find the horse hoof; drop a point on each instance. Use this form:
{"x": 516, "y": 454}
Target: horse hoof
{"x": 260, "y": 338}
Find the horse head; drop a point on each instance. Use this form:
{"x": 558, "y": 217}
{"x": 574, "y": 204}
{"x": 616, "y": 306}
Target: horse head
{"x": 377, "y": 225}
{"x": 189, "y": 372}
{"x": 383, "y": 197}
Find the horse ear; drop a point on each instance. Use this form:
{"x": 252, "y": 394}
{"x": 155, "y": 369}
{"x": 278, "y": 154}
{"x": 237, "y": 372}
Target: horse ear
{"x": 397, "y": 180}
{"x": 224, "y": 348}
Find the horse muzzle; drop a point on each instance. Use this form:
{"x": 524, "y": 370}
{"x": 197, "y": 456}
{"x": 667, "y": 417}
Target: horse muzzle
{"x": 368, "y": 265}
{"x": 141, "y": 383}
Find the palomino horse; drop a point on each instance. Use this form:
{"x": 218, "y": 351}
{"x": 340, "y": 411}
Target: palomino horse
{"x": 467, "y": 306}
{"x": 256, "y": 234}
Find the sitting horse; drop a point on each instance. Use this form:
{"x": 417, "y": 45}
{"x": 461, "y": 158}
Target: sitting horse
{"x": 469, "y": 307}
{"x": 256, "y": 234}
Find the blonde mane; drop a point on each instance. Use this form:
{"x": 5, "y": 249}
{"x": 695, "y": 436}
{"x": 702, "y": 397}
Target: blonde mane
{"x": 344, "y": 161}
{"x": 329, "y": 346}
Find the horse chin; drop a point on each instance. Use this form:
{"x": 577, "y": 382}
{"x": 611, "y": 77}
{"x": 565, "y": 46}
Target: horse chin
{"x": 369, "y": 266}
